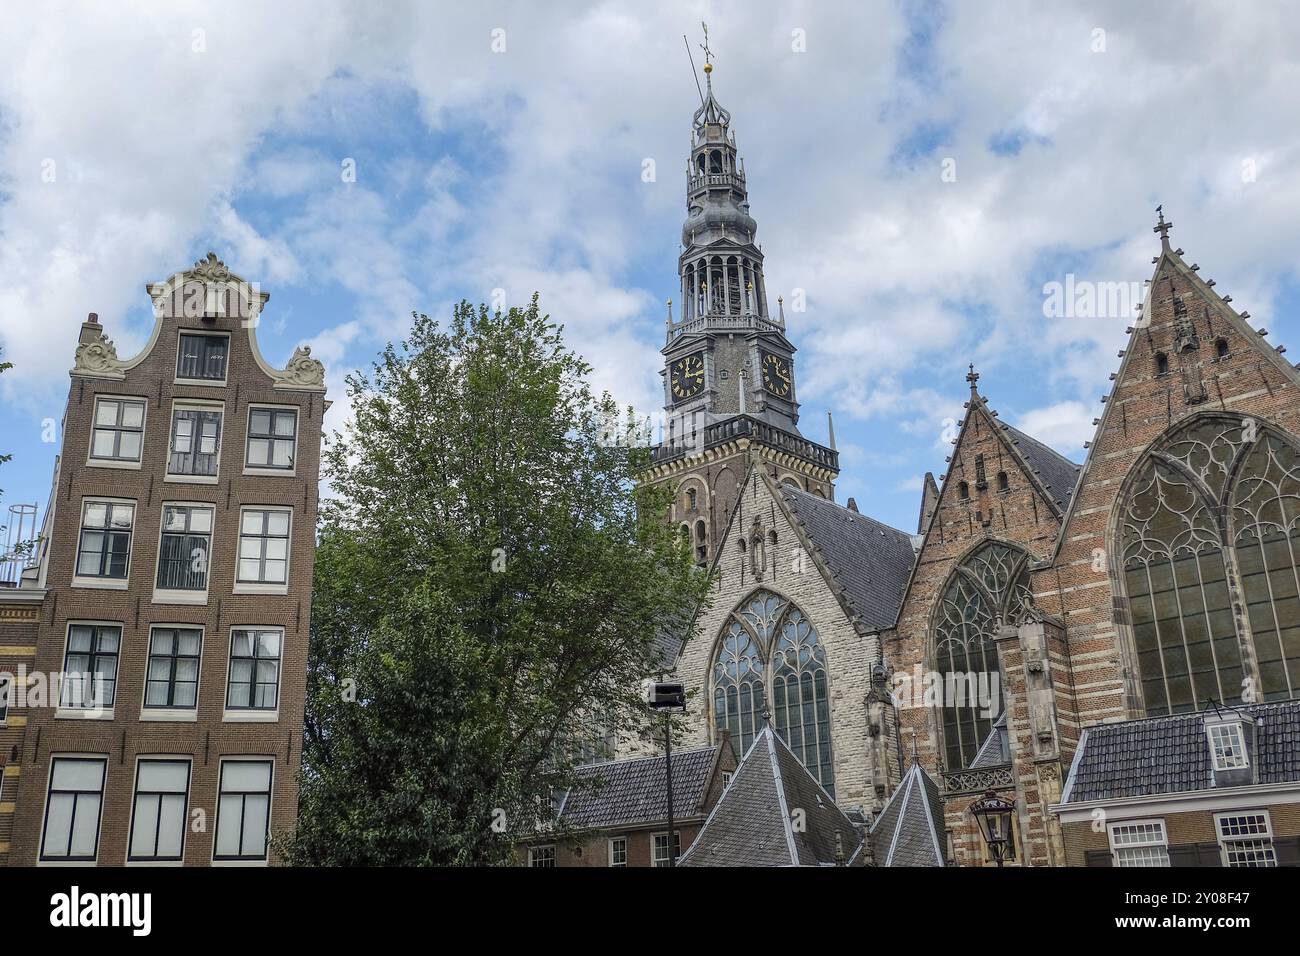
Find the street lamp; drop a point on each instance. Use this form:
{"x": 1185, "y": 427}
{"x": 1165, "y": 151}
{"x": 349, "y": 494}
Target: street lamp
{"x": 668, "y": 698}
{"x": 994, "y": 817}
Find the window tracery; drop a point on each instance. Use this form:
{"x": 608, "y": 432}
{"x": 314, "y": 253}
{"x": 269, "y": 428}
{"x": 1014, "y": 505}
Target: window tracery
{"x": 771, "y": 665}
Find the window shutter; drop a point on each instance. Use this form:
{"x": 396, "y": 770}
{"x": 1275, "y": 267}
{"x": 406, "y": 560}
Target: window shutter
{"x": 1184, "y": 855}
{"x": 1287, "y": 850}
{"x": 1209, "y": 854}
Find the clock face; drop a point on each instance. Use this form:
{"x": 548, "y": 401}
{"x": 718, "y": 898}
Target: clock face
{"x": 776, "y": 374}
{"x": 686, "y": 377}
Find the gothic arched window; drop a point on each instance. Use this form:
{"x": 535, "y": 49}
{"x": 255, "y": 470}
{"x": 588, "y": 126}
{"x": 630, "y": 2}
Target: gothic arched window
{"x": 988, "y": 588}
{"x": 770, "y": 661}
{"x": 1211, "y": 518}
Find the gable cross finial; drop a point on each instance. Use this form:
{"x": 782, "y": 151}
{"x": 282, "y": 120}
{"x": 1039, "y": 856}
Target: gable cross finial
{"x": 972, "y": 376}
{"x": 1162, "y": 226}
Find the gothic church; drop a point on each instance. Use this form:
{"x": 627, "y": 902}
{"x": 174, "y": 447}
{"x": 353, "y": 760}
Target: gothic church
{"x": 1142, "y": 592}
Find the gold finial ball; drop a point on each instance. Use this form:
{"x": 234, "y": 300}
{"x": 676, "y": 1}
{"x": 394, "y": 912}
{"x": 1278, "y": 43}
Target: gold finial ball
{"x": 708, "y": 67}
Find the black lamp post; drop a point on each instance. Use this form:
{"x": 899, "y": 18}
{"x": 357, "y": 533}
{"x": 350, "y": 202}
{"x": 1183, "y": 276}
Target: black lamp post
{"x": 994, "y": 817}
{"x": 667, "y": 698}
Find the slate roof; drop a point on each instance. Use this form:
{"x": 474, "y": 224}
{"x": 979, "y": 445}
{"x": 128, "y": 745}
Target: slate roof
{"x": 631, "y": 791}
{"x": 907, "y": 831}
{"x": 869, "y": 560}
{"x": 1055, "y": 471}
{"x": 996, "y": 749}
{"x": 1159, "y": 755}
{"x": 752, "y": 822}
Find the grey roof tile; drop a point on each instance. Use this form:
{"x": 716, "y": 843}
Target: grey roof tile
{"x": 907, "y": 831}
{"x": 623, "y": 792}
{"x": 1055, "y": 471}
{"x": 1157, "y": 755}
{"x": 870, "y": 561}
{"x": 751, "y": 823}
{"x": 996, "y": 749}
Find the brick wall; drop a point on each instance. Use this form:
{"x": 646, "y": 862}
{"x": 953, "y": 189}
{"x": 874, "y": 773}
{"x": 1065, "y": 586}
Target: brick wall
{"x": 210, "y": 734}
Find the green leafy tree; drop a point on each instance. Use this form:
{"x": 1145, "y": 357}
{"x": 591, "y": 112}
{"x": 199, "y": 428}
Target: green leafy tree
{"x": 490, "y": 584}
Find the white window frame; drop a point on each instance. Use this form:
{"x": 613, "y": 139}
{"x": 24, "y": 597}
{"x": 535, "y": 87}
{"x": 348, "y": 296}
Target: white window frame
{"x": 6, "y": 689}
{"x": 612, "y": 841}
{"x": 270, "y": 809}
{"x": 1115, "y": 849}
{"x": 250, "y": 469}
{"x": 93, "y": 581}
{"x": 41, "y": 858}
{"x": 150, "y": 713}
{"x": 263, "y": 587}
{"x": 1237, "y": 733}
{"x": 185, "y": 813}
{"x": 1227, "y": 841}
{"x": 655, "y": 859}
{"x": 194, "y": 405}
{"x": 95, "y": 462}
{"x": 178, "y": 595}
{"x": 176, "y": 368}
{"x": 63, "y": 711}
{"x": 251, "y": 715}
{"x": 532, "y": 856}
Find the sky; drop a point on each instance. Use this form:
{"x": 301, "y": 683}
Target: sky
{"x": 923, "y": 175}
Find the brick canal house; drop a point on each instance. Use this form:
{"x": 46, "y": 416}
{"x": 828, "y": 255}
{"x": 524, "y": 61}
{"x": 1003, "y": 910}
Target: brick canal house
{"x": 172, "y": 590}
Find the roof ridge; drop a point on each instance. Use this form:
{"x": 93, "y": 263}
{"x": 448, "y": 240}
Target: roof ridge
{"x": 1043, "y": 445}
{"x": 786, "y": 823}
{"x": 1191, "y": 715}
{"x": 850, "y": 514}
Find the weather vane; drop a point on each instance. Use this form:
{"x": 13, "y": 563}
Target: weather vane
{"x": 708, "y": 54}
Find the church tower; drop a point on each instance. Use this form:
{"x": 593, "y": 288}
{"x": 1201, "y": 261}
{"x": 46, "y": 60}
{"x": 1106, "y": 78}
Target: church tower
{"x": 729, "y": 372}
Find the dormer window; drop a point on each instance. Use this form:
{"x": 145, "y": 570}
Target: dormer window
{"x": 1227, "y": 746}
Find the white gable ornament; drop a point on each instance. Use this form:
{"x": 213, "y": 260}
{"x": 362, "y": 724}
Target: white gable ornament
{"x": 98, "y": 359}
{"x": 303, "y": 371}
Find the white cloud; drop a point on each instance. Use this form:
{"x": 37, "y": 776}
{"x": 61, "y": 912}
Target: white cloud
{"x": 1065, "y": 426}
{"x": 908, "y": 277}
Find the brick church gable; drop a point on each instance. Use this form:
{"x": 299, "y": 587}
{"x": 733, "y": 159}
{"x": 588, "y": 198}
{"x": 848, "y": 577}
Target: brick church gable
{"x": 1189, "y": 354}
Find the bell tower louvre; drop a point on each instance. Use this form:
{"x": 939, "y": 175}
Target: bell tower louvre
{"x": 728, "y": 375}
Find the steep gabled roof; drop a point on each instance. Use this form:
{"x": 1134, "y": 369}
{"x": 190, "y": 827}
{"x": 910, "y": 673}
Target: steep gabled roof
{"x": 1160, "y": 755}
{"x": 869, "y": 561}
{"x": 1056, "y": 472}
{"x": 996, "y": 749}
{"x": 626, "y": 792}
{"x": 753, "y": 822}
{"x": 907, "y": 831}
{"x": 1171, "y": 259}
{"x": 1045, "y": 468}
